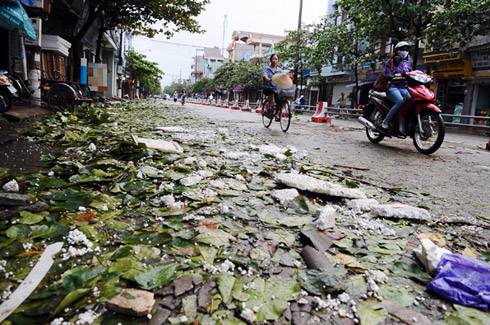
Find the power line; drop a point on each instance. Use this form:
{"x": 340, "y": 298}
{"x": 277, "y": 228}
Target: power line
{"x": 171, "y": 43}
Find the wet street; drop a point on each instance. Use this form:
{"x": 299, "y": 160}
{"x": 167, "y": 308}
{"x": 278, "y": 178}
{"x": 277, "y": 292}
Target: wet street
{"x": 453, "y": 182}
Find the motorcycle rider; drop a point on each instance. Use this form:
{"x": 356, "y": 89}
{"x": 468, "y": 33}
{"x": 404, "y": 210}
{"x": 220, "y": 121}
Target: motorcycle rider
{"x": 398, "y": 90}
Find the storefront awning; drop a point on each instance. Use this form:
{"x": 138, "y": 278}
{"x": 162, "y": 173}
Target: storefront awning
{"x": 29, "y": 3}
{"x": 360, "y": 83}
{"x": 13, "y": 16}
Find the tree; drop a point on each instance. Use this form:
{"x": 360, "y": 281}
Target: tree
{"x": 296, "y": 45}
{"x": 147, "y": 17}
{"x": 241, "y": 73}
{"x": 203, "y": 85}
{"x": 352, "y": 36}
{"x": 325, "y": 43}
{"x": 174, "y": 87}
{"x": 440, "y": 24}
{"x": 146, "y": 72}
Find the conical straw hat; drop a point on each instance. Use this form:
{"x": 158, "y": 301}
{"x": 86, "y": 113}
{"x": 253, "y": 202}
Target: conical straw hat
{"x": 282, "y": 81}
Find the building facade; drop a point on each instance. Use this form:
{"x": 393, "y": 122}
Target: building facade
{"x": 251, "y": 46}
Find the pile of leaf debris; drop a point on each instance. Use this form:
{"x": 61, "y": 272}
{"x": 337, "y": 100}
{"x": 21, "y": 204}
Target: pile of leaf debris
{"x": 233, "y": 230}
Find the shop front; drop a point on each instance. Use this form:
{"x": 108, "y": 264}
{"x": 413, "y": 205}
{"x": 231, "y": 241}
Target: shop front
{"x": 479, "y": 84}
{"x": 451, "y": 86}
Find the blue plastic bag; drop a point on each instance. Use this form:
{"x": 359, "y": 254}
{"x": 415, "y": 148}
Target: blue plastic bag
{"x": 464, "y": 280}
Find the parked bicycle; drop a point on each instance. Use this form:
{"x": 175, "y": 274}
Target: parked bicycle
{"x": 60, "y": 95}
{"x": 281, "y": 111}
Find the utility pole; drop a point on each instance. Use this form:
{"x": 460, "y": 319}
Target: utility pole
{"x": 296, "y": 62}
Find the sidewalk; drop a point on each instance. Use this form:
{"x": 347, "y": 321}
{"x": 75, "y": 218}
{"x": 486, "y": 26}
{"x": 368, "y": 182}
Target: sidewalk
{"x": 23, "y": 111}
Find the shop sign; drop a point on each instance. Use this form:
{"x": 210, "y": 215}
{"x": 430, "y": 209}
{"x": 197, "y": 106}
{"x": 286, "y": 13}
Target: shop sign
{"x": 480, "y": 60}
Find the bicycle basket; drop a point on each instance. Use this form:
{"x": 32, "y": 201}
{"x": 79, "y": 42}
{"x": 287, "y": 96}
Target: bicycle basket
{"x": 287, "y": 93}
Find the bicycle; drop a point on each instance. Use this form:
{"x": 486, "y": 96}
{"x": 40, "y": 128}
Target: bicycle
{"x": 60, "y": 95}
{"x": 285, "y": 114}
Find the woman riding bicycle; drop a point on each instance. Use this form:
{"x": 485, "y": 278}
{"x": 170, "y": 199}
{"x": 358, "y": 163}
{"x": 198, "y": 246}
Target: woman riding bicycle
{"x": 268, "y": 86}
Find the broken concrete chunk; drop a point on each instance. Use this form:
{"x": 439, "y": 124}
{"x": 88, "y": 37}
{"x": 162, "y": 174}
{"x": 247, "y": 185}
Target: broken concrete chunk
{"x": 400, "y": 211}
{"x": 430, "y": 254}
{"x": 318, "y": 239}
{"x": 404, "y": 314}
{"x": 182, "y": 285}
{"x": 314, "y": 259}
{"x": 191, "y": 180}
{"x": 203, "y": 299}
{"x": 132, "y": 302}
{"x": 160, "y": 316}
{"x": 12, "y": 199}
{"x": 11, "y": 186}
{"x": 362, "y": 205}
{"x": 170, "y": 302}
{"x": 12, "y": 211}
{"x": 165, "y": 291}
{"x": 288, "y": 260}
{"x": 300, "y": 317}
{"x": 315, "y": 185}
{"x": 285, "y": 196}
{"x": 197, "y": 280}
{"x": 165, "y": 146}
{"x": 171, "y": 129}
{"x": 326, "y": 219}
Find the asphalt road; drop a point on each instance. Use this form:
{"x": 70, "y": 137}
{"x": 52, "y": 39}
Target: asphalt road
{"x": 453, "y": 182}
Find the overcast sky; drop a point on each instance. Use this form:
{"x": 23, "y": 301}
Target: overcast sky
{"x": 175, "y": 56}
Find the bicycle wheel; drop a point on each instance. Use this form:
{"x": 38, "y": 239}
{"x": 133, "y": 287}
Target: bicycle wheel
{"x": 285, "y": 117}
{"x": 61, "y": 98}
{"x": 267, "y": 113}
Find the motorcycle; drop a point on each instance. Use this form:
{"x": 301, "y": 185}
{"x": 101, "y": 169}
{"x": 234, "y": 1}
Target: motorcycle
{"x": 182, "y": 100}
{"x": 418, "y": 117}
{"x": 7, "y": 92}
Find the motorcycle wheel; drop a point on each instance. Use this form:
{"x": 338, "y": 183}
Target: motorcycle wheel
{"x": 430, "y": 137}
{"x": 374, "y": 136}
{"x": 6, "y": 100}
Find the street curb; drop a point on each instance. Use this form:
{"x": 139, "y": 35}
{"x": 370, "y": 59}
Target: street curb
{"x": 17, "y": 114}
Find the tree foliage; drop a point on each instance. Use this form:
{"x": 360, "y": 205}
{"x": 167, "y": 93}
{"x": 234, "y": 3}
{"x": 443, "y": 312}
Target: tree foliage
{"x": 203, "y": 85}
{"x": 152, "y": 17}
{"x": 241, "y": 73}
{"x": 296, "y": 48}
{"x": 354, "y": 35}
{"x": 147, "y": 17}
{"x": 144, "y": 71}
{"x": 174, "y": 87}
{"x": 440, "y": 24}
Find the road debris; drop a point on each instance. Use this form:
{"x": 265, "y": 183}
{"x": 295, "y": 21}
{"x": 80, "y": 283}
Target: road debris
{"x": 231, "y": 229}
{"x": 30, "y": 282}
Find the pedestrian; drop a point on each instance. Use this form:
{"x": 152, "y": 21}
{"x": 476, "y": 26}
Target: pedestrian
{"x": 342, "y": 100}
{"x": 398, "y": 91}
